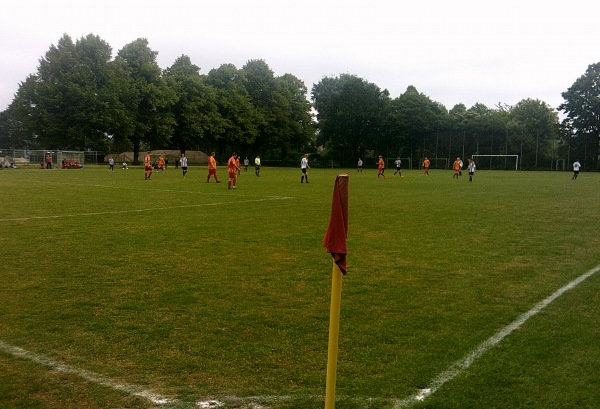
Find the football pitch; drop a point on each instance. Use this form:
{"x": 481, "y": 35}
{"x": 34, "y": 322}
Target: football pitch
{"x": 117, "y": 292}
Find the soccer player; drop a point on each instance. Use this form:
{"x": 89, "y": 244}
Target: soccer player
{"x": 576, "y": 167}
{"x": 426, "y": 164}
{"x": 233, "y": 168}
{"x": 161, "y": 163}
{"x": 380, "y": 167}
{"x": 237, "y": 163}
{"x": 304, "y": 166}
{"x": 471, "y": 168}
{"x": 111, "y": 165}
{"x": 212, "y": 168}
{"x": 257, "y": 165}
{"x": 147, "y": 167}
{"x": 183, "y": 162}
{"x": 456, "y": 168}
{"x": 359, "y": 165}
{"x": 398, "y": 162}
{"x": 246, "y": 163}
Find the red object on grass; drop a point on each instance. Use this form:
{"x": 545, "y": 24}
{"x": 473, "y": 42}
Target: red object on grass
{"x": 337, "y": 230}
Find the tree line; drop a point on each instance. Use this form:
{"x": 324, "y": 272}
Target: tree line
{"x": 357, "y": 117}
{"x": 81, "y": 98}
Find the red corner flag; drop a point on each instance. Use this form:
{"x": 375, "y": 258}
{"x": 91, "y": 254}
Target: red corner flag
{"x": 337, "y": 231}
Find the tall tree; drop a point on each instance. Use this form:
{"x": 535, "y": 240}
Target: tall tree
{"x": 294, "y": 119}
{"x": 350, "y": 114}
{"x": 269, "y": 103}
{"x": 283, "y": 119}
{"x": 147, "y": 98}
{"x": 70, "y": 102}
{"x": 12, "y": 133}
{"x": 411, "y": 119}
{"x": 582, "y": 107}
{"x": 195, "y": 110}
{"x": 238, "y": 120}
{"x": 537, "y": 123}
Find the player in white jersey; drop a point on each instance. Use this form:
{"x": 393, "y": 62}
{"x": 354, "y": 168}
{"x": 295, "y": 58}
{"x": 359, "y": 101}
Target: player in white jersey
{"x": 304, "y": 166}
{"x": 576, "y": 167}
{"x": 183, "y": 163}
{"x": 398, "y": 163}
{"x": 471, "y": 168}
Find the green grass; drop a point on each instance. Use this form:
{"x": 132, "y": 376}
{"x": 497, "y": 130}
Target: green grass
{"x": 196, "y": 292}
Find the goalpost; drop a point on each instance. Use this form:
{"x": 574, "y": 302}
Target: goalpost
{"x": 506, "y": 157}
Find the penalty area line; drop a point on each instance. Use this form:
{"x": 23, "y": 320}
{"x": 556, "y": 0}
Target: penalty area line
{"x": 21, "y": 219}
{"x": 462, "y": 364}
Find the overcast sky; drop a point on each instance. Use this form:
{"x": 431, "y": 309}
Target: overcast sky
{"x": 461, "y": 51}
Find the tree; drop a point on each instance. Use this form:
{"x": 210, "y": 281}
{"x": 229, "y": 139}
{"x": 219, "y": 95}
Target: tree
{"x": 294, "y": 119}
{"x": 12, "y": 133}
{"x": 282, "y": 112}
{"x": 410, "y": 119}
{"x": 582, "y": 107}
{"x": 237, "y": 123}
{"x": 69, "y": 103}
{"x": 24, "y": 109}
{"x": 537, "y": 124}
{"x": 195, "y": 110}
{"x": 479, "y": 121}
{"x": 350, "y": 114}
{"x": 148, "y": 100}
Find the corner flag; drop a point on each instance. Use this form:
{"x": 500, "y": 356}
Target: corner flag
{"x": 337, "y": 231}
{"x": 335, "y": 242}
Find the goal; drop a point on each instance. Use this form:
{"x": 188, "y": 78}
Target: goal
{"x": 496, "y": 161}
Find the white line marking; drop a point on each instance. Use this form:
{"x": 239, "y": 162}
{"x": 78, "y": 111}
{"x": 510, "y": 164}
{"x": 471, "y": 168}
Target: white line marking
{"x": 87, "y": 375}
{"x": 20, "y": 219}
{"x": 454, "y": 370}
{"x": 145, "y": 189}
{"x": 457, "y": 367}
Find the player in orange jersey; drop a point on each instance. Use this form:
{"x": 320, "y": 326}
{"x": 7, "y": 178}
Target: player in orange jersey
{"x": 426, "y": 164}
{"x": 147, "y": 167}
{"x": 233, "y": 169}
{"x": 456, "y": 167}
{"x": 380, "y": 167}
{"x": 212, "y": 168}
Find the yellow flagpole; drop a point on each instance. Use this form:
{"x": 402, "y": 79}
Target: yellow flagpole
{"x": 334, "y": 330}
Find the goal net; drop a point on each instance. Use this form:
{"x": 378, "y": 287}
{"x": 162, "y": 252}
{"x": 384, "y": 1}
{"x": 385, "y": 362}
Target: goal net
{"x": 70, "y": 159}
{"x": 498, "y": 162}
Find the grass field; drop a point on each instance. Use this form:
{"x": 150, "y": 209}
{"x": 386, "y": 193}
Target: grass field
{"x": 217, "y": 298}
